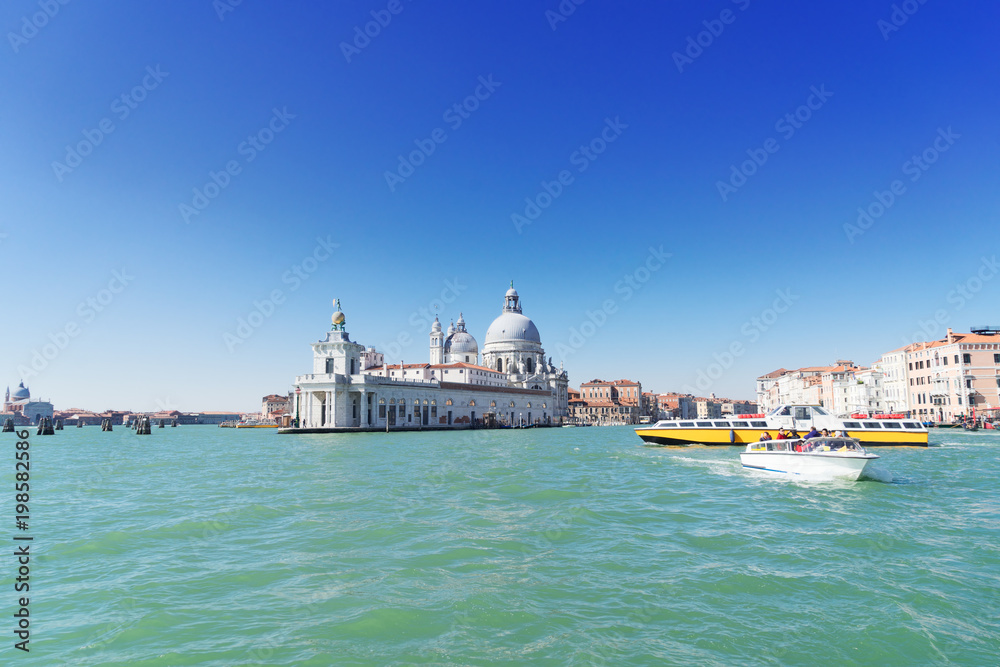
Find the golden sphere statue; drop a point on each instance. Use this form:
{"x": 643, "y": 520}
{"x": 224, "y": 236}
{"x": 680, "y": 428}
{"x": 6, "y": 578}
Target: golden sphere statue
{"x": 338, "y": 318}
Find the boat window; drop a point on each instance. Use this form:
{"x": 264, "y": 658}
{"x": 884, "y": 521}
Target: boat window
{"x": 669, "y": 425}
{"x": 891, "y": 424}
{"x": 802, "y": 413}
{"x": 911, "y": 425}
{"x": 687, "y": 424}
{"x": 820, "y": 411}
{"x": 872, "y": 425}
{"x": 704, "y": 423}
{"x": 758, "y": 424}
{"x": 743, "y": 424}
{"x": 852, "y": 425}
{"x": 785, "y": 411}
{"x": 722, "y": 424}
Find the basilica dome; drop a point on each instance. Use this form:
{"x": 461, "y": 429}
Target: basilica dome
{"x": 21, "y": 393}
{"x": 511, "y": 326}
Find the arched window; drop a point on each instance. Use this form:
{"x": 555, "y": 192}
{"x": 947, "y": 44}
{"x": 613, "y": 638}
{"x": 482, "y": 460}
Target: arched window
{"x": 493, "y": 404}
{"x": 512, "y": 404}
{"x": 500, "y": 365}
{"x": 529, "y": 364}
{"x": 449, "y": 402}
{"x": 472, "y": 404}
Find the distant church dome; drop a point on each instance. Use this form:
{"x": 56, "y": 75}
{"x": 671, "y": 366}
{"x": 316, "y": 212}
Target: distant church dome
{"x": 21, "y": 393}
{"x": 461, "y": 341}
{"x": 512, "y": 325}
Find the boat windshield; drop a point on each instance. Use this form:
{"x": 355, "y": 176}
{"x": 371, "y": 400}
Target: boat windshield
{"x": 844, "y": 445}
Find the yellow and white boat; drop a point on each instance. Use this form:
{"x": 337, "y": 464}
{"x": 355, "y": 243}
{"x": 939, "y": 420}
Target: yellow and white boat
{"x": 870, "y": 430}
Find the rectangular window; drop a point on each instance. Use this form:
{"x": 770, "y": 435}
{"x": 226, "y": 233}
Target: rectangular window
{"x": 956, "y": 358}
{"x": 871, "y": 425}
{"x": 966, "y": 358}
{"x": 758, "y": 424}
{"x": 945, "y": 360}
{"x": 381, "y": 412}
{"x": 852, "y": 425}
{"x": 996, "y": 358}
{"x": 911, "y": 365}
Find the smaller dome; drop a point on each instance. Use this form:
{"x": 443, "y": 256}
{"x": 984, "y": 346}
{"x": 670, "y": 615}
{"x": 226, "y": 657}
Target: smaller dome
{"x": 451, "y": 328}
{"x": 21, "y": 393}
{"x": 436, "y": 327}
{"x": 461, "y": 342}
{"x": 512, "y": 292}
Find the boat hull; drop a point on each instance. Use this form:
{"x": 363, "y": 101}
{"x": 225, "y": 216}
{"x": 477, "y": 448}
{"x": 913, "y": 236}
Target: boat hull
{"x": 825, "y": 465}
{"x": 743, "y": 436}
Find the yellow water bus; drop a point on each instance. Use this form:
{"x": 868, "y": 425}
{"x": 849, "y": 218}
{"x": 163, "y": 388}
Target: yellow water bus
{"x": 872, "y": 430}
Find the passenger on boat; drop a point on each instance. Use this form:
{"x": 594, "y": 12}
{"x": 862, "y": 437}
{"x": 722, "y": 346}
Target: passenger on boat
{"x": 794, "y": 434}
{"x": 781, "y": 434}
{"x": 764, "y": 436}
{"x": 813, "y": 433}
{"x": 826, "y": 433}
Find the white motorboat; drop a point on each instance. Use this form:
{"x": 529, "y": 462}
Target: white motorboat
{"x": 825, "y": 457}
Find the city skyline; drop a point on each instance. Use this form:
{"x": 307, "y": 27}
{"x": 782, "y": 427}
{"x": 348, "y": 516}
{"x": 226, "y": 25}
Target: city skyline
{"x": 669, "y": 188}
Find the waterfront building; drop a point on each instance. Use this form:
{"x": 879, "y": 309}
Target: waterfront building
{"x": 895, "y": 379}
{"x": 843, "y": 388}
{"x": 351, "y": 386}
{"x": 955, "y": 376}
{"x": 618, "y": 401}
{"x": 20, "y": 407}
{"x": 273, "y": 406}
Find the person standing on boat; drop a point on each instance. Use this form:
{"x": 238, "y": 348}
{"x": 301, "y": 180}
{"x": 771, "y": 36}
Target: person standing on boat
{"x": 813, "y": 433}
{"x": 765, "y": 436}
{"x": 781, "y": 434}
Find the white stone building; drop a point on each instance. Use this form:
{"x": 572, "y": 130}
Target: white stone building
{"x": 351, "y": 387}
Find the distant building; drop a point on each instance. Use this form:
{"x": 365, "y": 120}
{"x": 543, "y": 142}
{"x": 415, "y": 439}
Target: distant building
{"x": 618, "y": 401}
{"x": 351, "y": 386}
{"x": 955, "y": 376}
{"x": 273, "y": 405}
{"x": 22, "y": 409}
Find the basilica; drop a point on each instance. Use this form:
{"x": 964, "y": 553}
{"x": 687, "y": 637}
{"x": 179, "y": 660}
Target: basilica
{"x": 21, "y": 409}
{"x": 353, "y": 388}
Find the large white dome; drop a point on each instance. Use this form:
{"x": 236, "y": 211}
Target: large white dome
{"x": 511, "y": 326}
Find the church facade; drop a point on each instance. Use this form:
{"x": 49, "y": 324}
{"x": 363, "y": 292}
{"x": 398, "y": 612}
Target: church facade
{"x": 20, "y": 408}
{"x": 352, "y": 388}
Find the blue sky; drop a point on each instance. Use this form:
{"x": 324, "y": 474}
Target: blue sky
{"x": 203, "y": 86}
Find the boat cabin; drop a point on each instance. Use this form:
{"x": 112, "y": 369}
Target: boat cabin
{"x": 808, "y": 446}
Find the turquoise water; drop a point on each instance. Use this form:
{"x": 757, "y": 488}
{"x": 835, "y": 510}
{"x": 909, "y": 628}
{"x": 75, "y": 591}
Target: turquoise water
{"x": 205, "y": 546}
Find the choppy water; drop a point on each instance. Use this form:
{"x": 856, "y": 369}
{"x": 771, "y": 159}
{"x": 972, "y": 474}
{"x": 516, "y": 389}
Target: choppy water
{"x": 205, "y": 546}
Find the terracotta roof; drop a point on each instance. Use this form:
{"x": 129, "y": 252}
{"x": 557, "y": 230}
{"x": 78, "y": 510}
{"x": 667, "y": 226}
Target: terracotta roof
{"x": 775, "y": 374}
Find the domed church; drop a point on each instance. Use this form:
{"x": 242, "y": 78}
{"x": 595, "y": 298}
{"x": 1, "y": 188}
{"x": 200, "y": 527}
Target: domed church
{"x": 352, "y": 387}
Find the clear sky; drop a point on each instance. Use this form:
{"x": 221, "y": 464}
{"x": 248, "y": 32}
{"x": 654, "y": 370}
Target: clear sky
{"x": 166, "y": 169}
